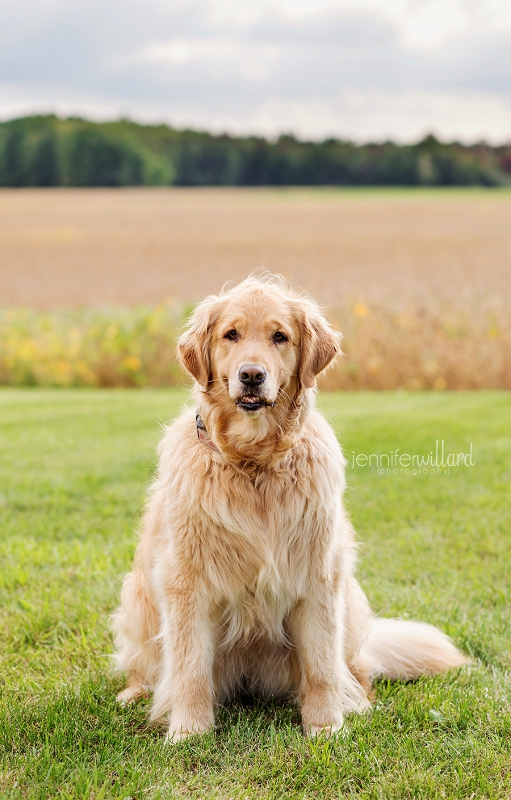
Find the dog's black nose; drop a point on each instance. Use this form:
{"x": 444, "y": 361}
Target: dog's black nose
{"x": 252, "y": 374}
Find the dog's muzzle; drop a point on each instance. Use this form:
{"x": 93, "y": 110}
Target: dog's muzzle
{"x": 252, "y": 377}
{"x": 253, "y": 402}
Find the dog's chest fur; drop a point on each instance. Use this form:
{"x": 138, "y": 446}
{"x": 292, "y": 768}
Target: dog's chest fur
{"x": 274, "y": 569}
{"x": 253, "y": 541}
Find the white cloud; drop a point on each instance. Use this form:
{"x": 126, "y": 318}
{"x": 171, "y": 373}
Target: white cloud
{"x": 219, "y": 56}
{"x": 370, "y": 69}
{"x": 376, "y": 116}
{"x": 431, "y": 24}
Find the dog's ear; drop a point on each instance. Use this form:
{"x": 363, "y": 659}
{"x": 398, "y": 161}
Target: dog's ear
{"x": 193, "y": 344}
{"x": 319, "y": 346}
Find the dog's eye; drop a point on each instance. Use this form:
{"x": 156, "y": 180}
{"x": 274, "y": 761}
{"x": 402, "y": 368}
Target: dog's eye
{"x": 231, "y": 335}
{"x": 279, "y": 337}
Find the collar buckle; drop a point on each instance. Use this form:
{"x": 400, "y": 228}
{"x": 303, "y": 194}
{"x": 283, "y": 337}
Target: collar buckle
{"x": 203, "y": 435}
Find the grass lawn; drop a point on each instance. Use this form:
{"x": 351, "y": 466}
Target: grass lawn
{"x": 73, "y": 470}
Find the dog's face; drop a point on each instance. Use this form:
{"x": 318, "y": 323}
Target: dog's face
{"x": 257, "y": 345}
{"x": 254, "y": 351}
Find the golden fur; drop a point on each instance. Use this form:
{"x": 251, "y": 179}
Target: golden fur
{"x": 244, "y": 574}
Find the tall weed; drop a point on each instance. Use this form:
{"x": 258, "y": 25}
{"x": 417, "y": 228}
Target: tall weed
{"x": 425, "y": 347}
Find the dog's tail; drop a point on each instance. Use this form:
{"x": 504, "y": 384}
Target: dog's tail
{"x": 402, "y": 650}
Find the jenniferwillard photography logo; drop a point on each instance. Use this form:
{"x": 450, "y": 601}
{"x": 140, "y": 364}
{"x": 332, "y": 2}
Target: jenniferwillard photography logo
{"x": 436, "y": 462}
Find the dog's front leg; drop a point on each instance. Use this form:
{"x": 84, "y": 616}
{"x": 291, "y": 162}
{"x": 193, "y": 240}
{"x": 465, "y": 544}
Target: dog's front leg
{"x": 327, "y": 688}
{"x": 185, "y": 687}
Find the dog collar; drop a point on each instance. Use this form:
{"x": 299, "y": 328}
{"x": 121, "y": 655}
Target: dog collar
{"x": 203, "y": 435}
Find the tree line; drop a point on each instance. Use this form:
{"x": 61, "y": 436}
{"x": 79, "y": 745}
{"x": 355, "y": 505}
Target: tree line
{"x": 50, "y": 151}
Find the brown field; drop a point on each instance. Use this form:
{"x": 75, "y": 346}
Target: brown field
{"x": 69, "y": 247}
{"x": 418, "y": 280}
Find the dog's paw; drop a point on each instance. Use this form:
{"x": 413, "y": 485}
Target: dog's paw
{"x": 185, "y": 724}
{"x": 310, "y": 730}
{"x": 131, "y": 694}
{"x": 174, "y": 736}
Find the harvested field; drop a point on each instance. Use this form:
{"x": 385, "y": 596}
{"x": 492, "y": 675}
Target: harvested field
{"x": 419, "y": 281}
{"x": 72, "y": 247}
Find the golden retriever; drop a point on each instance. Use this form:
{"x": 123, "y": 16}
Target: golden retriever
{"x": 244, "y": 574}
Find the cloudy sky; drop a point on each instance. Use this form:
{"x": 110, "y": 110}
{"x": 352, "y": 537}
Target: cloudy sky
{"x": 364, "y": 69}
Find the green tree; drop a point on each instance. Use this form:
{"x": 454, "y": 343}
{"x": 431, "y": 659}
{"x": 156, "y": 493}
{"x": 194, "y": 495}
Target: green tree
{"x": 96, "y": 159}
{"x": 14, "y": 160}
{"x": 45, "y": 163}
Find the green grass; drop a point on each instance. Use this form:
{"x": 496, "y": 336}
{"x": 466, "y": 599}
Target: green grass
{"x": 73, "y": 472}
